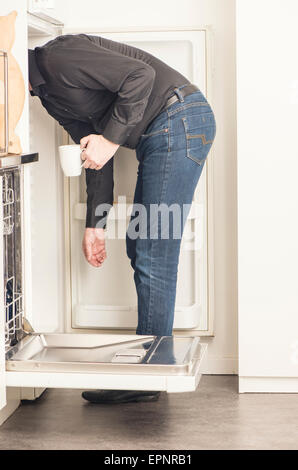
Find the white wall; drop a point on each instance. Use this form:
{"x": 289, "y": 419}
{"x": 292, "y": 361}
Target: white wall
{"x": 221, "y": 15}
{"x": 267, "y": 76}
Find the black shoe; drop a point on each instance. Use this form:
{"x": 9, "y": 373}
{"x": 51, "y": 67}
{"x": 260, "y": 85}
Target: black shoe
{"x": 120, "y": 396}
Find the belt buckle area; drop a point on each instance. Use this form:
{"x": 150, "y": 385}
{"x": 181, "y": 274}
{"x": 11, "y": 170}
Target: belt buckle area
{"x": 178, "y": 95}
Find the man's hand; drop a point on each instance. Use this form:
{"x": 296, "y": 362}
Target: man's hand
{"x": 97, "y": 151}
{"x": 94, "y": 246}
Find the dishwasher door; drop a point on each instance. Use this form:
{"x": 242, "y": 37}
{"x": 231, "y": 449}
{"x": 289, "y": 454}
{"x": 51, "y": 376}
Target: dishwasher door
{"x": 101, "y": 361}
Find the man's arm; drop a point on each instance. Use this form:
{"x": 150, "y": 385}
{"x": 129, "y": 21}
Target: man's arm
{"x": 100, "y": 183}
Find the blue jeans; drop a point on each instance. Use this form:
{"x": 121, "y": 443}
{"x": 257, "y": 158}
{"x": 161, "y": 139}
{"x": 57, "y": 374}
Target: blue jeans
{"x": 171, "y": 156}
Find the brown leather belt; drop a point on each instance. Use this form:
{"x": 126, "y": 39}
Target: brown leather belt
{"x": 186, "y": 90}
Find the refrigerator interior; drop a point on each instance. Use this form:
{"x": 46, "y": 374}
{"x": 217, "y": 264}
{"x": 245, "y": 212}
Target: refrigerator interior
{"x": 70, "y": 295}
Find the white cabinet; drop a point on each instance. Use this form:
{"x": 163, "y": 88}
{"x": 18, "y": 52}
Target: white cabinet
{"x": 267, "y": 215}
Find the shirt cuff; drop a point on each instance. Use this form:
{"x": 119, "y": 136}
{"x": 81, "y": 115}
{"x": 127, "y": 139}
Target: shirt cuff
{"x": 95, "y": 221}
{"x": 117, "y": 132}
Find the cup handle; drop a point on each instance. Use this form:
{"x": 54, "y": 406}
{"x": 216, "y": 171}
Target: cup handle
{"x": 83, "y": 150}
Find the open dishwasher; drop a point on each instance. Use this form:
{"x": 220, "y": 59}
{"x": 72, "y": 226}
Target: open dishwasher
{"x": 83, "y": 360}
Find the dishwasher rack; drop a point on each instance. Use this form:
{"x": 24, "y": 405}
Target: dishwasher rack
{"x": 12, "y": 256}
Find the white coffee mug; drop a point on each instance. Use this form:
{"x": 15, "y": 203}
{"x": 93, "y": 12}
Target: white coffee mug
{"x": 70, "y": 159}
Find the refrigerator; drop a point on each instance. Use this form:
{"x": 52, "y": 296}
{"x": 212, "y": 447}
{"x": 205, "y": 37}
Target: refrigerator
{"x": 63, "y": 323}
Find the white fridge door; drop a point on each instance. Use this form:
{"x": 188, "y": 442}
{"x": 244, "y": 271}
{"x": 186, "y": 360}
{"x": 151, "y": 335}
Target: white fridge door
{"x": 106, "y": 297}
{"x": 122, "y": 362}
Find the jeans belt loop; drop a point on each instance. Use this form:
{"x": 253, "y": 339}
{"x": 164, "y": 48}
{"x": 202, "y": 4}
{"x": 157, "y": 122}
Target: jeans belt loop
{"x": 179, "y": 94}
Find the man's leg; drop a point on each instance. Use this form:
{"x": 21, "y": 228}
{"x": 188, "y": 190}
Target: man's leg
{"x": 172, "y": 164}
{"x": 168, "y": 183}
{"x": 125, "y": 396}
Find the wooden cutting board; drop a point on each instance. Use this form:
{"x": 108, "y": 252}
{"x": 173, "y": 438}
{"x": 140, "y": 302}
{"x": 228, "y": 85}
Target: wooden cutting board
{"x": 16, "y": 86}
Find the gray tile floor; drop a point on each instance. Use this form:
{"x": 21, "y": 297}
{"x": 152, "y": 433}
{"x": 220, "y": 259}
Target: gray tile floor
{"x": 214, "y": 417}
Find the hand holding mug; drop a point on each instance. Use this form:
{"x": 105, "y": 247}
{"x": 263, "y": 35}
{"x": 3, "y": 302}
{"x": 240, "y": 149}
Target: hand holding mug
{"x": 97, "y": 151}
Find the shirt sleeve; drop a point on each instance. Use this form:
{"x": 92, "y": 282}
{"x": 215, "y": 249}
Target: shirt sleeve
{"x": 90, "y": 65}
{"x": 99, "y": 183}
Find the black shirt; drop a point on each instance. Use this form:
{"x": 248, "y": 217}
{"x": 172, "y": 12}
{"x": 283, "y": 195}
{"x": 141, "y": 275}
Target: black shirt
{"x": 93, "y": 85}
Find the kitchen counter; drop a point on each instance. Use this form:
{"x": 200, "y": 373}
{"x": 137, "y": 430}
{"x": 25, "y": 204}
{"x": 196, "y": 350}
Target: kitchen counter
{"x": 11, "y": 160}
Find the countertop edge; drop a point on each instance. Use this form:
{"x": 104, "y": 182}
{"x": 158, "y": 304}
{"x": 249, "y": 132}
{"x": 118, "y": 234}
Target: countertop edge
{"x": 11, "y": 160}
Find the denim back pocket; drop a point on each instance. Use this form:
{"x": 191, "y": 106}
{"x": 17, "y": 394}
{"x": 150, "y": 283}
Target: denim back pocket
{"x": 156, "y": 132}
{"x": 200, "y": 131}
